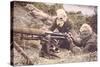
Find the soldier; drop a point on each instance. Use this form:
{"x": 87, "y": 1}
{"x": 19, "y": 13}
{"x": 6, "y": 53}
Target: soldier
{"x": 87, "y": 39}
{"x": 63, "y": 25}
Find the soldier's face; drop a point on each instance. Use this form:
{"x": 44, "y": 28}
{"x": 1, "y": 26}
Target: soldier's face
{"x": 85, "y": 31}
{"x": 60, "y": 22}
{"x": 84, "y": 34}
{"x": 61, "y": 19}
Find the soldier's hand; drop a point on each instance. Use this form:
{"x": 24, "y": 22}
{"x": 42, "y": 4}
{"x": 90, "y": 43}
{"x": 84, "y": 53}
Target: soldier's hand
{"x": 69, "y": 38}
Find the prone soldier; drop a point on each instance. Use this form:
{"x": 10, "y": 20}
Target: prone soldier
{"x": 87, "y": 40}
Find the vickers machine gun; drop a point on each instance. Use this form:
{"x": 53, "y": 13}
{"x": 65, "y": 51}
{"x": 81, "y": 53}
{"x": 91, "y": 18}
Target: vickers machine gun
{"x": 49, "y": 40}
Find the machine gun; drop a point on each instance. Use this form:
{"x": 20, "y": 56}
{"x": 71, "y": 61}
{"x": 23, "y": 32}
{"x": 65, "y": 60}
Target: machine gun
{"x": 53, "y": 35}
{"x": 36, "y": 34}
{"x": 48, "y": 39}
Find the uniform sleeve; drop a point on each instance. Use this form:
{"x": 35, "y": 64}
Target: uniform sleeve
{"x": 90, "y": 47}
{"x": 76, "y": 38}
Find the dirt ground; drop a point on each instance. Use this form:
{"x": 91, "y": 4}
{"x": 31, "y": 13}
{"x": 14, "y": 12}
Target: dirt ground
{"x": 65, "y": 57}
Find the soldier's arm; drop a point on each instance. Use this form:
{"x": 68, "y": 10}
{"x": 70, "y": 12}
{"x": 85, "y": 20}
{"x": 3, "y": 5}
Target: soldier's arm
{"x": 74, "y": 36}
{"x": 76, "y": 41}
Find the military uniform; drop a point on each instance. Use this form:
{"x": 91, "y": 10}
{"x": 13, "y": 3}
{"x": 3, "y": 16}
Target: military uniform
{"x": 88, "y": 39}
{"x": 66, "y": 28}
{"x": 90, "y": 43}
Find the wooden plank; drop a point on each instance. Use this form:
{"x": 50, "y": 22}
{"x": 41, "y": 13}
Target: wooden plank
{"x": 28, "y": 30}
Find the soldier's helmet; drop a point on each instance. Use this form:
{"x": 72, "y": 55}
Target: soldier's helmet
{"x": 85, "y": 31}
{"x": 61, "y": 16}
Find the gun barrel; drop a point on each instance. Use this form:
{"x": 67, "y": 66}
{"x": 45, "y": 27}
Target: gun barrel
{"x": 38, "y": 33}
{"x": 32, "y": 38}
{"x": 39, "y": 38}
{"x": 56, "y": 34}
{"x": 58, "y": 37}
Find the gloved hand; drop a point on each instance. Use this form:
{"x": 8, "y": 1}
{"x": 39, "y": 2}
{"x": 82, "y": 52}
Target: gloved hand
{"x": 69, "y": 37}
